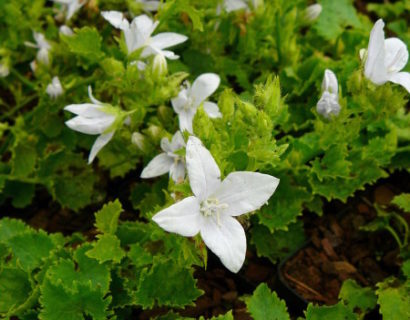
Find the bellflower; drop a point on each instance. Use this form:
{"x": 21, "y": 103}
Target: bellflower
{"x": 72, "y": 6}
{"x": 329, "y": 102}
{"x": 54, "y": 89}
{"x": 168, "y": 161}
{"x": 149, "y": 5}
{"x": 385, "y": 58}
{"x": 42, "y": 45}
{"x": 190, "y": 98}
{"x": 95, "y": 118}
{"x": 215, "y": 203}
{"x": 138, "y": 35}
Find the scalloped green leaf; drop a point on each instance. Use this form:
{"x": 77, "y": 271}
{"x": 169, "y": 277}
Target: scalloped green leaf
{"x": 394, "y": 299}
{"x": 107, "y": 248}
{"x": 336, "y": 312}
{"x": 106, "y": 220}
{"x": 86, "y": 43}
{"x": 15, "y": 288}
{"x": 357, "y": 297}
{"x": 402, "y": 201}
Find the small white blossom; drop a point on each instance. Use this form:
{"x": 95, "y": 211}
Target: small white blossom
{"x": 159, "y": 66}
{"x": 168, "y": 161}
{"x": 65, "y": 30}
{"x": 43, "y": 47}
{"x": 329, "y": 102}
{"x": 385, "y": 58}
{"x": 215, "y": 203}
{"x": 138, "y": 35}
{"x": 313, "y": 12}
{"x": 149, "y": 5}
{"x": 72, "y": 6}
{"x": 4, "y": 70}
{"x": 95, "y": 118}
{"x": 54, "y": 89}
{"x": 191, "y": 97}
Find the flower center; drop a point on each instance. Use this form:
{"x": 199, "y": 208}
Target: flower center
{"x": 189, "y": 104}
{"x": 211, "y": 207}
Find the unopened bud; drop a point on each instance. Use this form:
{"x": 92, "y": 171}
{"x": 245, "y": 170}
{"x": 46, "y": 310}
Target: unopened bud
{"x": 65, "y": 30}
{"x": 139, "y": 140}
{"x": 4, "y": 70}
{"x": 313, "y": 12}
{"x": 159, "y": 66}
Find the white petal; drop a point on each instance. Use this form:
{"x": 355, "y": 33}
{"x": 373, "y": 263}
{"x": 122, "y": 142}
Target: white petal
{"x": 99, "y": 143}
{"x": 167, "y": 39}
{"x": 177, "y": 171}
{"x": 203, "y": 87}
{"x": 212, "y": 109}
{"x": 203, "y": 172}
{"x": 182, "y": 218}
{"x": 185, "y": 120}
{"x": 328, "y": 105}
{"x": 374, "y": 68}
{"x": 73, "y": 7}
{"x": 401, "y": 78}
{"x": 90, "y": 125}
{"x": 180, "y": 101}
{"x": 158, "y": 166}
{"x": 330, "y": 82}
{"x": 117, "y": 19}
{"x": 42, "y": 56}
{"x": 226, "y": 238}
{"x": 178, "y": 141}
{"x": 244, "y": 192}
{"x": 396, "y": 53}
{"x": 87, "y": 110}
{"x": 90, "y": 95}
{"x": 144, "y": 25}
{"x": 166, "y": 145}
{"x": 233, "y": 5}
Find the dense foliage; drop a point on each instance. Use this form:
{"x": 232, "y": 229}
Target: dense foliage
{"x": 271, "y": 59}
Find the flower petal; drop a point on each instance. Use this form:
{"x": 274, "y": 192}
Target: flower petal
{"x": 144, "y": 25}
{"x": 328, "y": 105}
{"x": 203, "y": 87}
{"x": 117, "y": 19}
{"x": 203, "y": 172}
{"x": 177, "y": 171}
{"x": 226, "y": 238}
{"x": 185, "y": 120}
{"x": 167, "y": 39}
{"x": 178, "y": 141}
{"x": 90, "y": 95}
{"x": 401, "y": 78}
{"x": 159, "y": 165}
{"x": 245, "y": 191}
{"x": 212, "y": 109}
{"x": 330, "y": 82}
{"x": 182, "y": 218}
{"x": 179, "y": 102}
{"x": 396, "y": 53}
{"x": 165, "y": 145}
{"x": 374, "y": 67}
{"x": 99, "y": 143}
{"x": 87, "y": 110}
{"x": 90, "y": 125}
{"x": 233, "y": 5}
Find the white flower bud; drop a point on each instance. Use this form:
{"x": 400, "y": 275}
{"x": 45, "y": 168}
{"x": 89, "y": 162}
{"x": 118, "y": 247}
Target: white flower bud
{"x": 54, "y": 89}
{"x": 139, "y": 140}
{"x": 159, "y": 66}
{"x": 312, "y": 12}
{"x": 4, "y": 70}
{"x": 65, "y": 30}
{"x": 329, "y": 102}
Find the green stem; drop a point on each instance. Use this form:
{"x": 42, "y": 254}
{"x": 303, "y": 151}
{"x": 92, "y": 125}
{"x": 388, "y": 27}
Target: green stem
{"x": 20, "y": 179}
{"x": 395, "y": 236}
{"x": 18, "y": 107}
{"x": 403, "y": 222}
{"x": 23, "y": 79}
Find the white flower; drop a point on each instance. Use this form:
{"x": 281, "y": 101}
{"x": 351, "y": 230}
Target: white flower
{"x": 54, "y": 89}
{"x": 65, "y": 30}
{"x": 72, "y": 6}
{"x": 190, "y": 98}
{"x": 385, "y": 58}
{"x": 138, "y": 35}
{"x": 234, "y": 5}
{"x": 42, "y": 45}
{"x": 329, "y": 102}
{"x": 167, "y": 161}
{"x": 215, "y": 203}
{"x": 4, "y": 70}
{"x": 313, "y": 12}
{"x": 149, "y": 5}
{"x": 94, "y": 118}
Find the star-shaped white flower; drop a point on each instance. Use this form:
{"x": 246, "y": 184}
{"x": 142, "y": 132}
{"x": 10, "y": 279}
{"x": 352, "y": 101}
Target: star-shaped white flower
{"x": 190, "y": 98}
{"x": 95, "y": 118}
{"x": 54, "y": 89}
{"x": 72, "y": 6}
{"x": 42, "y": 45}
{"x": 215, "y": 203}
{"x": 168, "y": 161}
{"x": 385, "y": 58}
{"x": 138, "y": 35}
{"x": 329, "y": 102}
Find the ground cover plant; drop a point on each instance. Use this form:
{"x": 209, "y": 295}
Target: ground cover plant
{"x": 161, "y": 159}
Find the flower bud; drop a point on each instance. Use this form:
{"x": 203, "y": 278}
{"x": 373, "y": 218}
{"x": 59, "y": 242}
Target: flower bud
{"x": 54, "y": 89}
{"x": 154, "y": 132}
{"x": 65, "y": 30}
{"x": 4, "y": 70}
{"x": 330, "y": 82}
{"x": 139, "y": 140}
{"x": 159, "y": 66}
{"x": 312, "y": 12}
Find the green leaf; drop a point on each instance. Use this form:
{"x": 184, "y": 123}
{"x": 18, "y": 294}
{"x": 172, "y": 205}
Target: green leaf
{"x": 336, "y": 312}
{"x": 394, "y": 299}
{"x": 15, "y": 288}
{"x": 139, "y": 256}
{"x": 85, "y": 43}
{"x": 406, "y": 268}
{"x": 23, "y": 158}
{"x": 107, "y": 218}
{"x": 402, "y": 201}
{"x": 11, "y": 227}
{"x": 177, "y": 286}
{"x": 265, "y": 305}
{"x": 107, "y": 248}
{"x": 82, "y": 301}
{"x": 21, "y": 193}
{"x": 356, "y": 297}
{"x": 333, "y": 164}
{"x": 335, "y": 17}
